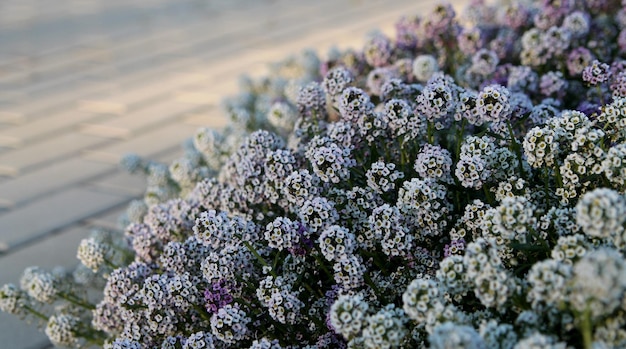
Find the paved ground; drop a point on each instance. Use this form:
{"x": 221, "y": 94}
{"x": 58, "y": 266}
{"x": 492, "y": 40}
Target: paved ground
{"x": 85, "y": 81}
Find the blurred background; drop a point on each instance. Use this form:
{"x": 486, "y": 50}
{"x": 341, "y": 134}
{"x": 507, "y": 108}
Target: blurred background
{"x": 83, "y": 82}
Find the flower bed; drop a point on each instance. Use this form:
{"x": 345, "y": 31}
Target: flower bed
{"x": 458, "y": 186}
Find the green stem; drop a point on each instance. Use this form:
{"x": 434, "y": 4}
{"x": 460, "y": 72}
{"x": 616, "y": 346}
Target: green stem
{"x": 370, "y": 283}
{"x": 586, "y": 329}
{"x": 77, "y": 301}
{"x": 517, "y": 149}
{"x": 35, "y": 312}
{"x": 431, "y": 133}
{"x": 202, "y": 312}
{"x": 259, "y": 258}
{"x": 322, "y": 265}
{"x": 111, "y": 264}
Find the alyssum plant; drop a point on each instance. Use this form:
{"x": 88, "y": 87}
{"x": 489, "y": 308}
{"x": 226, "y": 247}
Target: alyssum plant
{"x": 459, "y": 186}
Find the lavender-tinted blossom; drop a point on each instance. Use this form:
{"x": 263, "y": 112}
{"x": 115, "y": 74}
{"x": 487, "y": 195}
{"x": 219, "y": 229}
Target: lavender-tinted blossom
{"x": 471, "y": 171}
{"x": 282, "y": 233}
{"x": 484, "y": 62}
{"x": 438, "y": 21}
{"x": 199, "y": 339}
{"x": 378, "y": 77}
{"x": 278, "y": 297}
{"x": 522, "y": 79}
{"x": 353, "y": 103}
{"x": 348, "y": 272}
{"x": 515, "y": 15}
{"x": 312, "y": 101}
{"x": 552, "y": 84}
{"x": 578, "y": 59}
{"x": 382, "y": 177}
{"x": 438, "y": 100}
{"x": 378, "y": 50}
{"x": 92, "y": 253}
{"x": 434, "y": 162}
{"x": 596, "y": 73}
{"x": 337, "y": 80}
{"x": 398, "y": 89}
{"x": 336, "y": 242}
{"x": 493, "y": 103}
{"x": 469, "y": 40}
{"x": 265, "y": 343}
{"x": 318, "y": 213}
{"x": 407, "y": 32}
{"x": 577, "y": 23}
{"x": 330, "y": 162}
{"x": 401, "y": 121}
{"x": 618, "y": 84}
{"x": 425, "y": 205}
{"x": 230, "y": 324}
{"x": 388, "y": 227}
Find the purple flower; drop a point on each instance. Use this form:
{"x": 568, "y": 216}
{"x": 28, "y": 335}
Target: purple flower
{"x": 469, "y": 40}
{"x": 578, "y": 59}
{"x": 217, "y": 296}
{"x": 618, "y": 85}
{"x": 336, "y": 80}
{"x": 312, "y": 101}
{"x": 553, "y": 84}
{"x": 455, "y": 247}
{"x": 596, "y": 73}
{"x": 378, "y": 50}
{"x": 407, "y": 32}
{"x": 438, "y": 22}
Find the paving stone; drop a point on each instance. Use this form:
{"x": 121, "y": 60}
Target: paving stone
{"x": 54, "y": 177}
{"x": 121, "y": 101}
{"x": 169, "y": 136}
{"x": 121, "y": 182}
{"x": 108, "y": 220}
{"x": 39, "y": 218}
{"x": 17, "y": 334}
{"x": 15, "y": 162}
{"x": 213, "y": 117}
{"x": 41, "y": 129}
{"x": 56, "y": 99}
{"x": 58, "y": 249}
{"x": 132, "y": 123}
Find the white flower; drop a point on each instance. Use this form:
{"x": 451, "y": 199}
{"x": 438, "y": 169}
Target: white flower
{"x": 424, "y": 66}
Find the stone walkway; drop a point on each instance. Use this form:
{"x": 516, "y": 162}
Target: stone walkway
{"x": 86, "y": 81}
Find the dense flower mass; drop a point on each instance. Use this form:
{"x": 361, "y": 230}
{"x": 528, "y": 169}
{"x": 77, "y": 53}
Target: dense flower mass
{"x": 459, "y": 185}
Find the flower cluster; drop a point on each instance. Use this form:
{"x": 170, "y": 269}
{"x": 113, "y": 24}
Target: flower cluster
{"x": 460, "y": 185}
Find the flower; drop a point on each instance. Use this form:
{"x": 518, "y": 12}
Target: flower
{"x": 459, "y": 184}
